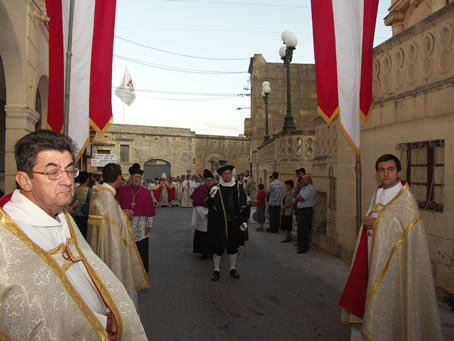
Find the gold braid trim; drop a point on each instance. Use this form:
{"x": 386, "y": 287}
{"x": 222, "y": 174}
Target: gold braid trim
{"x": 136, "y": 251}
{"x": 225, "y": 214}
{"x": 394, "y": 249}
{"x": 97, "y": 220}
{"x": 3, "y": 337}
{"x": 380, "y": 216}
{"x": 12, "y": 227}
{"x": 107, "y": 298}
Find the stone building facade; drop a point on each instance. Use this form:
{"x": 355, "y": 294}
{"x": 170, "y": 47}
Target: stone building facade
{"x": 296, "y": 148}
{"x": 413, "y": 116}
{"x": 24, "y": 70}
{"x": 183, "y": 151}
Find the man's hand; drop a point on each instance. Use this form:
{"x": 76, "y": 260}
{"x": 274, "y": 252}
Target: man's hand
{"x": 111, "y": 328}
{"x": 214, "y": 190}
{"x": 129, "y": 213}
{"x": 243, "y": 227}
{"x": 147, "y": 230}
{"x": 369, "y": 222}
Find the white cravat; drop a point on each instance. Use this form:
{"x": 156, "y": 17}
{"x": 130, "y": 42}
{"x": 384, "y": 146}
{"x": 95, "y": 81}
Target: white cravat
{"x": 48, "y": 233}
{"x": 384, "y": 196}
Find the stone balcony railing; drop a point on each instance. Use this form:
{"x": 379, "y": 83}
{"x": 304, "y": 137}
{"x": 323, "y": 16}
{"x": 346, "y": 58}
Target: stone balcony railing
{"x": 288, "y": 146}
{"x": 416, "y": 60}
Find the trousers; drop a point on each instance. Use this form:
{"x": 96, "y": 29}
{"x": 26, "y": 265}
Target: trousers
{"x": 304, "y": 222}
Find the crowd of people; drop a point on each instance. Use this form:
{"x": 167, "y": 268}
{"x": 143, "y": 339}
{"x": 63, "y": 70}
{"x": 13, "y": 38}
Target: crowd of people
{"x": 73, "y": 258}
{"x": 282, "y": 201}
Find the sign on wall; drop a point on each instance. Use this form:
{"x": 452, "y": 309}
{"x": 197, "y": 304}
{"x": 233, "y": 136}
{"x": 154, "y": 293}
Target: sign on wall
{"x": 100, "y": 160}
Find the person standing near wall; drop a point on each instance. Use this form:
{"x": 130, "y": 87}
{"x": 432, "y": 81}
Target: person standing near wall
{"x": 275, "y": 192}
{"x": 305, "y": 202}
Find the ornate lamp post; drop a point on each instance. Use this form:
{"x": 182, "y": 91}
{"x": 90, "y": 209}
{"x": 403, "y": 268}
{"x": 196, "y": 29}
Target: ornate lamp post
{"x": 266, "y": 90}
{"x": 286, "y": 53}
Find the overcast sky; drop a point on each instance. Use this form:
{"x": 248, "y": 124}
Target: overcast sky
{"x": 190, "y": 87}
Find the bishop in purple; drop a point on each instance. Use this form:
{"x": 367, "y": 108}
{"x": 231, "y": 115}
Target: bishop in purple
{"x": 136, "y": 198}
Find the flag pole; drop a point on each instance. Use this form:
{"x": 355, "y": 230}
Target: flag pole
{"x": 124, "y": 99}
{"x": 68, "y": 68}
{"x": 358, "y": 192}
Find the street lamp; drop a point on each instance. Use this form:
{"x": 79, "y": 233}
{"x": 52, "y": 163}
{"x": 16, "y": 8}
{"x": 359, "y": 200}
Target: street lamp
{"x": 266, "y": 90}
{"x": 286, "y": 53}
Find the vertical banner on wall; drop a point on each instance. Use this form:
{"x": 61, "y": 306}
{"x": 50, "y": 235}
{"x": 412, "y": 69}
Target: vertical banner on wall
{"x": 90, "y": 101}
{"x": 343, "y": 46}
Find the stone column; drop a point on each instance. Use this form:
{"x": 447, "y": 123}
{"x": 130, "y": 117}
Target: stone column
{"x": 20, "y": 120}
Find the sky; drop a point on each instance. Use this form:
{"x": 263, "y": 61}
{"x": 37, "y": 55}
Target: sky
{"x": 188, "y": 59}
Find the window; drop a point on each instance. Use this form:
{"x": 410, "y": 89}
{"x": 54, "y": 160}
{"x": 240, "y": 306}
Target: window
{"x": 423, "y": 168}
{"x": 124, "y": 153}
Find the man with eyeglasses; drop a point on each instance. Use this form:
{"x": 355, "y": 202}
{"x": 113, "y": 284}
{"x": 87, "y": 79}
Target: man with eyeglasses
{"x": 52, "y": 284}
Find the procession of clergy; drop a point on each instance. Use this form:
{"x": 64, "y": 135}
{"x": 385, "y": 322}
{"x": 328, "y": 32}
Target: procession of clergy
{"x": 57, "y": 285}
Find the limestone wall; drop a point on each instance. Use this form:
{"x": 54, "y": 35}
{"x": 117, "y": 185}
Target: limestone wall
{"x": 24, "y": 53}
{"x": 303, "y": 91}
{"x": 187, "y": 152}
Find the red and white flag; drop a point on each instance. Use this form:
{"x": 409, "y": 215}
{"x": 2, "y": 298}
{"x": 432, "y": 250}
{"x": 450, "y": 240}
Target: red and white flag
{"x": 125, "y": 91}
{"x": 91, "y": 67}
{"x": 343, "y": 46}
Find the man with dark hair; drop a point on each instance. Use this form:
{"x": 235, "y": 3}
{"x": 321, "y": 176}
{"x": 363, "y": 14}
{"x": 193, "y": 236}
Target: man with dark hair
{"x": 110, "y": 234}
{"x": 62, "y": 290}
{"x": 388, "y": 157}
{"x": 390, "y": 290}
{"x": 227, "y": 220}
{"x": 300, "y": 173}
{"x": 275, "y": 194}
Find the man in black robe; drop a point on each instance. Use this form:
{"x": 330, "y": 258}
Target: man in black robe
{"x": 227, "y": 220}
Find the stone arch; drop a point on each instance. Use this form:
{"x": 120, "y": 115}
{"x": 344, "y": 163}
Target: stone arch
{"x": 12, "y": 61}
{"x": 41, "y": 101}
{"x": 154, "y": 168}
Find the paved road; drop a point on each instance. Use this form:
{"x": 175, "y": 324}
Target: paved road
{"x": 280, "y": 296}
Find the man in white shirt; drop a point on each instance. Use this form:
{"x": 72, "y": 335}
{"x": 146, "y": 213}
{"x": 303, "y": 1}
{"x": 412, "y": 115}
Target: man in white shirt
{"x": 305, "y": 202}
{"x": 53, "y": 286}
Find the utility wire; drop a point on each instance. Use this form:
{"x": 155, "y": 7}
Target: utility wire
{"x": 237, "y": 3}
{"x": 175, "y": 53}
{"x": 188, "y": 93}
{"x": 177, "y": 69}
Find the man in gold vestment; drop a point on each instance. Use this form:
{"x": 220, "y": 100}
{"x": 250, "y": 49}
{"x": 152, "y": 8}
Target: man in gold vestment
{"x": 52, "y": 285}
{"x": 110, "y": 234}
{"x": 390, "y": 291}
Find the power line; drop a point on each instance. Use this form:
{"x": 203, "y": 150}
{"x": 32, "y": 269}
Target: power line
{"x": 177, "y": 69}
{"x": 175, "y": 53}
{"x": 186, "y": 93}
{"x": 237, "y": 3}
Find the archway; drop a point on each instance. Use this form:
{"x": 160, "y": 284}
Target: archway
{"x": 41, "y": 99}
{"x": 14, "y": 95}
{"x": 155, "y": 167}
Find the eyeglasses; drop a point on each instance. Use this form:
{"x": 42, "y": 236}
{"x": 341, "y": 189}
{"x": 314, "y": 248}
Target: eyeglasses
{"x": 56, "y": 174}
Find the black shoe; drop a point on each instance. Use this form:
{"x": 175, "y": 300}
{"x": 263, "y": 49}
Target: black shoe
{"x": 300, "y": 251}
{"x": 234, "y": 274}
{"x": 216, "y": 276}
{"x": 286, "y": 240}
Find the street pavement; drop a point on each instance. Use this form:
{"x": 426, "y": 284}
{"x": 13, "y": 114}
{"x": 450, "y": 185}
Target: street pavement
{"x": 281, "y": 295}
